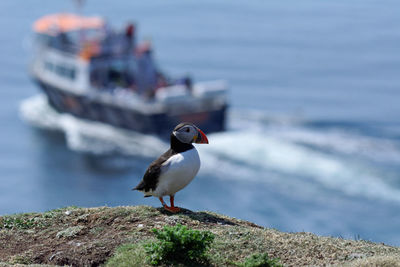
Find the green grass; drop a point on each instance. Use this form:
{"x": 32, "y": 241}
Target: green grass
{"x": 178, "y": 244}
{"x": 31, "y": 220}
{"x": 128, "y": 255}
{"x": 63, "y": 209}
{"x": 260, "y": 260}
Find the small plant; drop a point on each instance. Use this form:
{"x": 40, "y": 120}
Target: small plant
{"x": 178, "y": 244}
{"x": 17, "y": 222}
{"x": 260, "y": 260}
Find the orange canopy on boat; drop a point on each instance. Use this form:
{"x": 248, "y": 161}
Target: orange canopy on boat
{"x": 66, "y": 22}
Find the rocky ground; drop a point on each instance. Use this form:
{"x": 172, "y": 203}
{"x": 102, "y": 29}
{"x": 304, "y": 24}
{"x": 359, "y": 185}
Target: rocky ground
{"x": 90, "y": 237}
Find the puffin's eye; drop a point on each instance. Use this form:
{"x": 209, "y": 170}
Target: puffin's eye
{"x": 187, "y": 130}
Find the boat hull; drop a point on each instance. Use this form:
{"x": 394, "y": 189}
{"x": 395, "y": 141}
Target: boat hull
{"x": 82, "y": 106}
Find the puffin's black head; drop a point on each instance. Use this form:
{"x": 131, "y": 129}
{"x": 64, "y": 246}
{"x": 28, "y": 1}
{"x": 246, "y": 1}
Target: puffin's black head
{"x": 188, "y": 133}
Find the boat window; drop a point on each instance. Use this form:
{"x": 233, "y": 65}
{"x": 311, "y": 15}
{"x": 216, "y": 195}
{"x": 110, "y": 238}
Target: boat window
{"x": 48, "y": 66}
{"x": 71, "y": 74}
{"x": 61, "y": 70}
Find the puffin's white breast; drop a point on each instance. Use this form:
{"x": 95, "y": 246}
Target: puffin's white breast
{"x": 177, "y": 172}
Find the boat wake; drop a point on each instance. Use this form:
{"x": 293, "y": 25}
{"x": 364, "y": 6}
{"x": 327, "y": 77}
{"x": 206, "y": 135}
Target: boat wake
{"x": 281, "y": 152}
{"x": 88, "y": 136}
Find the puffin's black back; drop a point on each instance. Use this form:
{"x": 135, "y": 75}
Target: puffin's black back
{"x": 150, "y": 178}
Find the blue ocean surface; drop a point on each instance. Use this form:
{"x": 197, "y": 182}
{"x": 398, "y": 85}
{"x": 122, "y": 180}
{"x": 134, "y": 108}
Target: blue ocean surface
{"x": 313, "y": 140}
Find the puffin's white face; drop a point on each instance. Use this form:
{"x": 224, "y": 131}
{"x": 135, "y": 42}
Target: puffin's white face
{"x": 189, "y": 133}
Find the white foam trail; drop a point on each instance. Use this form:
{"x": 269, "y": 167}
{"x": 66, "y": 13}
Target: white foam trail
{"x": 335, "y": 140}
{"x": 37, "y": 112}
{"x": 266, "y": 155}
{"x": 260, "y": 151}
{"x": 347, "y": 143}
{"x": 87, "y": 136}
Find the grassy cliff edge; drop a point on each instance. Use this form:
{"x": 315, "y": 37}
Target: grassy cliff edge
{"x": 91, "y": 236}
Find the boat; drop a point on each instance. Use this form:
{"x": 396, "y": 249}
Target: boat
{"x": 94, "y": 72}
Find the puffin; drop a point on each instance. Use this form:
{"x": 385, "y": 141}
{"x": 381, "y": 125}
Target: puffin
{"x": 176, "y": 168}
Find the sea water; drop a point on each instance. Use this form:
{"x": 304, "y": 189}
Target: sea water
{"x": 313, "y": 140}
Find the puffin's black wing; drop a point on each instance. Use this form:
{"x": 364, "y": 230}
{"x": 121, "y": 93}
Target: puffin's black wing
{"x": 150, "y": 178}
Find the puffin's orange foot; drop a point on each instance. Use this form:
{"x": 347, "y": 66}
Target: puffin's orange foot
{"x": 172, "y": 209}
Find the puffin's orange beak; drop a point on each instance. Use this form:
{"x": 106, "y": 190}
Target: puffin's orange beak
{"x": 201, "y": 138}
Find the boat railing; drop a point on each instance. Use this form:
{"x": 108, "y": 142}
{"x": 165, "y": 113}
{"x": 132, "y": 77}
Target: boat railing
{"x": 213, "y": 90}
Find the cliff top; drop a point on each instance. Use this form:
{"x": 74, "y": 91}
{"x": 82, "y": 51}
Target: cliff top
{"x": 90, "y": 236}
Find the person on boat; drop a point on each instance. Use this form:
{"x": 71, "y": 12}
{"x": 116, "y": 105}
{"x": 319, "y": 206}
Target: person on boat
{"x": 187, "y": 82}
{"x": 130, "y": 36}
{"x": 146, "y": 69}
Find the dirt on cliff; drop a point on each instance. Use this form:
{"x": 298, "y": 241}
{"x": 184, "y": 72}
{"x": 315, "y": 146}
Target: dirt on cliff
{"x": 89, "y": 237}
